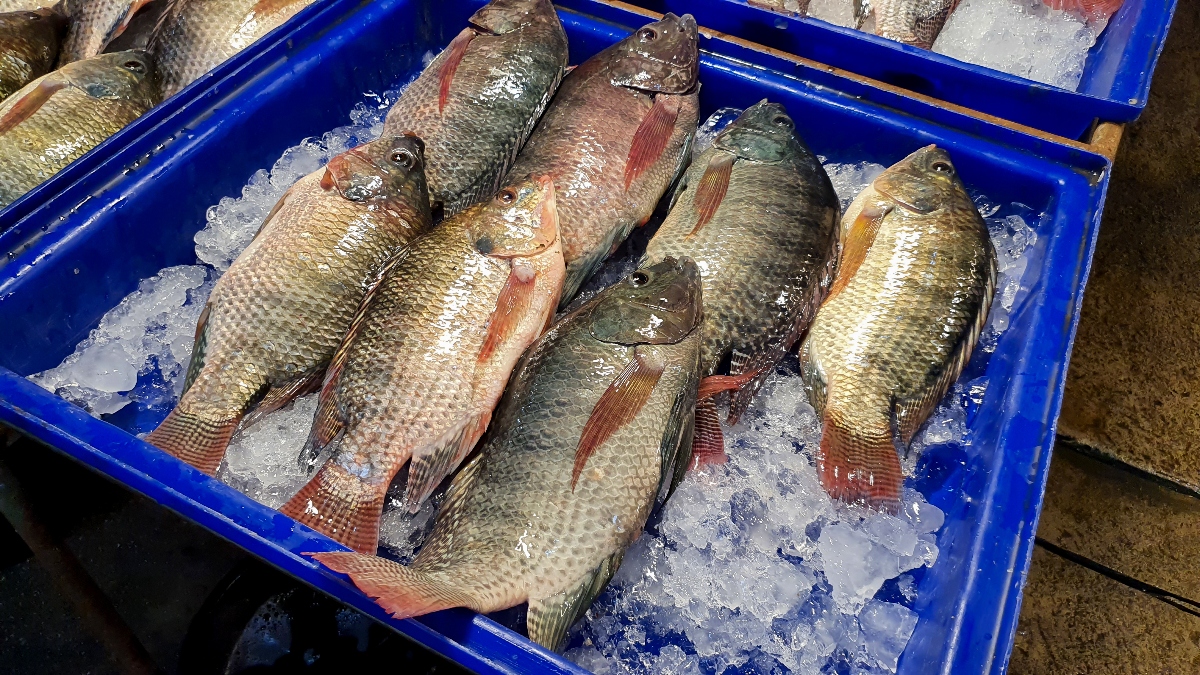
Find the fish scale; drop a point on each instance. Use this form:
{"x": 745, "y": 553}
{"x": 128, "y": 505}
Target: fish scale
{"x": 93, "y": 23}
{"x": 513, "y": 526}
{"x": 584, "y": 142}
{"x": 276, "y": 316}
{"x": 896, "y": 331}
{"x": 768, "y": 252}
{"x": 496, "y": 95}
{"x": 29, "y": 43}
{"x": 71, "y": 121}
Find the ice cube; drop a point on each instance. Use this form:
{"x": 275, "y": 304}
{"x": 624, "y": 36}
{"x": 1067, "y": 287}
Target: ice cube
{"x": 886, "y": 627}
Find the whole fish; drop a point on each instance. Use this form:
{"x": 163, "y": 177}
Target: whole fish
{"x": 913, "y": 22}
{"x": 418, "y": 375}
{"x": 589, "y": 433}
{"x": 758, "y": 214}
{"x": 195, "y": 36}
{"x": 614, "y": 138}
{"x": 274, "y": 320}
{"x": 29, "y": 43}
{"x": 912, "y": 293}
{"x": 93, "y": 24}
{"x": 55, "y": 119}
{"x": 478, "y": 100}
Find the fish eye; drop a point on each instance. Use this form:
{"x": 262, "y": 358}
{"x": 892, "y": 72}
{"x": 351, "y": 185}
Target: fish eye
{"x": 135, "y": 67}
{"x": 403, "y": 158}
{"x": 647, "y": 34}
{"x": 783, "y": 121}
{"x": 639, "y": 278}
{"x": 507, "y": 196}
{"x": 942, "y": 167}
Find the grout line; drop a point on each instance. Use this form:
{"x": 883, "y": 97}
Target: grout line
{"x": 1099, "y": 455}
{"x": 1175, "y": 600}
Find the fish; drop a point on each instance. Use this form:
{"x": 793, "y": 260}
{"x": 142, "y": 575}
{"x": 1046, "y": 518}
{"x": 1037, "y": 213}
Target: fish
{"x": 275, "y": 319}
{"x": 29, "y": 42}
{"x": 418, "y": 375}
{"x": 1095, "y": 11}
{"x": 913, "y": 288}
{"x": 589, "y": 436}
{"x": 757, "y": 213}
{"x": 615, "y": 137}
{"x": 26, "y": 5}
{"x": 912, "y": 22}
{"x": 55, "y": 119}
{"x": 93, "y": 24}
{"x": 194, "y": 36}
{"x": 478, "y": 100}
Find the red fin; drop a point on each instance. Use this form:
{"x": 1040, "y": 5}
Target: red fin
{"x": 30, "y": 103}
{"x": 193, "y": 439}
{"x": 341, "y": 506}
{"x": 618, "y": 405}
{"x": 327, "y": 182}
{"x": 708, "y": 443}
{"x": 858, "y": 243}
{"x": 859, "y": 469}
{"x": 403, "y": 591}
{"x": 711, "y": 190}
{"x": 202, "y": 322}
{"x": 428, "y": 469}
{"x": 263, "y": 7}
{"x": 715, "y": 384}
{"x": 134, "y": 8}
{"x": 455, "y": 52}
{"x": 1092, "y": 9}
{"x": 278, "y": 397}
{"x": 511, "y": 306}
{"x": 651, "y": 137}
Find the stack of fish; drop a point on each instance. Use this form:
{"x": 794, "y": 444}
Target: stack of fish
{"x": 413, "y": 282}
{"x": 75, "y": 72}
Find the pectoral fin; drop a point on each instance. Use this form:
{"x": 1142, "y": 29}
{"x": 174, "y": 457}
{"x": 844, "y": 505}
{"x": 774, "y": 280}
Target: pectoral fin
{"x": 618, "y": 406}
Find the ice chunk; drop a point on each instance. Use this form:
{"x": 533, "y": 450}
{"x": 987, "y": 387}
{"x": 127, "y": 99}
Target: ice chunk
{"x": 849, "y": 179}
{"x": 886, "y": 627}
{"x": 712, "y": 126}
{"x": 1023, "y": 38}
{"x": 262, "y": 460}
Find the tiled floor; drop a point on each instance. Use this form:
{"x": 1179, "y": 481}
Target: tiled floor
{"x": 1115, "y": 584}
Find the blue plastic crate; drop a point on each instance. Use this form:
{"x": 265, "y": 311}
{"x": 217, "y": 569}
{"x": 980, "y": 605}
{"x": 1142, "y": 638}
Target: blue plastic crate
{"x": 138, "y": 219}
{"x": 1115, "y": 85}
{"x": 316, "y": 14}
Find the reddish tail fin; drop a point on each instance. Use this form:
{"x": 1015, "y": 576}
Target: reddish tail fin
{"x": 198, "y": 441}
{"x": 859, "y": 469}
{"x": 340, "y": 506}
{"x": 402, "y": 591}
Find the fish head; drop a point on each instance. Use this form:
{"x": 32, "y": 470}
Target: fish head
{"x": 384, "y": 168}
{"x": 763, "y": 133}
{"x": 923, "y": 182}
{"x": 663, "y": 56}
{"x": 656, "y": 304}
{"x": 129, "y": 75}
{"x": 520, "y": 221}
{"x": 43, "y": 21}
{"x": 505, "y": 16}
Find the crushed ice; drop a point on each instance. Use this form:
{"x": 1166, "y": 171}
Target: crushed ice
{"x": 1019, "y": 37}
{"x": 749, "y": 565}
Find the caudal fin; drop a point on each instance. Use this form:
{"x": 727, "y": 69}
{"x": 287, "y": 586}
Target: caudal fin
{"x": 340, "y": 506}
{"x": 855, "y": 468}
{"x": 403, "y": 591}
{"x": 194, "y": 439}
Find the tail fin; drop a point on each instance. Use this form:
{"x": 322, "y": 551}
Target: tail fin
{"x": 857, "y": 468}
{"x": 402, "y": 591}
{"x": 341, "y": 506}
{"x": 196, "y": 440}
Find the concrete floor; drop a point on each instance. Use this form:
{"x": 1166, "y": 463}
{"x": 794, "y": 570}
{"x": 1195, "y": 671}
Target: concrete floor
{"x": 1114, "y": 588}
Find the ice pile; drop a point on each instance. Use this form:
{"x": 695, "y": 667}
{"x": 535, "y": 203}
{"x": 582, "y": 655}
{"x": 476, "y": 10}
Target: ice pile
{"x": 1019, "y": 37}
{"x": 1026, "y": 39}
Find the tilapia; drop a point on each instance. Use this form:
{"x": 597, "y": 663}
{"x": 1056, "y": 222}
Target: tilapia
{"x": 758, "y": 214}
{"x": 912, "y": 293}
{"x": 913, "y": 22}
{"x": 28, "y": 46}
{"x": 55, "y": 119}
{"x": 93, "y": 24}
{"x": 590, "y": 435}
{"x": 274, "y": 320}
{"x": 477, "y": 102}
{"x": 418, "y": 375}
{"x": 194, "y": 36}
{"x": 614, "y": 138}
